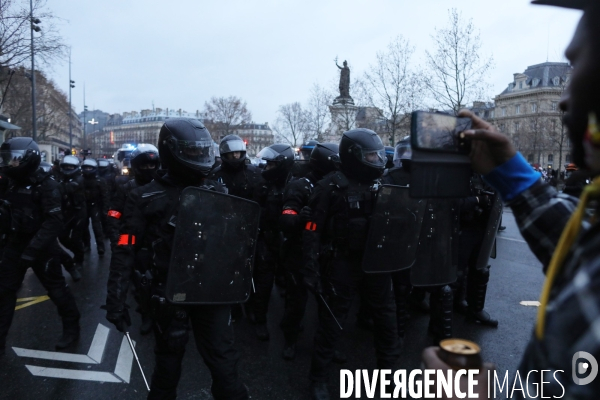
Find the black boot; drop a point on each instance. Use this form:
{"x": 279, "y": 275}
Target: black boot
{"x": 476, "y": 291}
{"x": 418, "y": 301}
{"x": 71, "y": 268}
{"x": 289, "y": 351}
{"x": 147, "y": 324}
{"x": 262, "y": 333}
{"x": 339, "y": 357}
{"x": 70, "y": 334}
{"x": 401, "y": 294}
{"x": 460, "y": 296}
{"x": 319, "y": 391}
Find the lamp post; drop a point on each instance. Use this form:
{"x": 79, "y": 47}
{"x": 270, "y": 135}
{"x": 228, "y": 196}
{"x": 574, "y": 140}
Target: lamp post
{"x": 71, "y": 86}
{"x": 36, "y": 28}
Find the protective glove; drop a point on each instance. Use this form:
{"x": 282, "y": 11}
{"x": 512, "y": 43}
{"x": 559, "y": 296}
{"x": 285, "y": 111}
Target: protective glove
{"x": 120, "y": 319}
{"x": 313, "y": 283}
{"x": 305, "y": 213}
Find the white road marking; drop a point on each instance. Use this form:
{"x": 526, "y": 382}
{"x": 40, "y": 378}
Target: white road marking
{"x": 530, "y": 303}
{"x": 97, "y": 376}
{"x": 124, "y": 361}
{"x": 98, "y": 344}
{"x": 511, "y": 239}
{"x": 94, "y": 356}
{"x": 54, "y": 355}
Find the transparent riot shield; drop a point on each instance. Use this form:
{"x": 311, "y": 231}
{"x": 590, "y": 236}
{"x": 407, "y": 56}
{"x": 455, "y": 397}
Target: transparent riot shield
{"x": 213, "y": 248}
{"x": 393, "y": 230}
{"x": 436, "y": 262}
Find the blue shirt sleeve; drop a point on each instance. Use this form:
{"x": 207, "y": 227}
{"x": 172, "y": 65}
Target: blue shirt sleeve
{"x": 512, "y": 177}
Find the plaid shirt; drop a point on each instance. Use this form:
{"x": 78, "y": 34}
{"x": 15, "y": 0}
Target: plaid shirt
{"x": 573, "y": 313}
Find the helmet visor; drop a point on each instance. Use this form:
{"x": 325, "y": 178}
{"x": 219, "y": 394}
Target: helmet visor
{"x": 12, "y": 158}
{"x": 268, "y": 154}
{"x": 231, "y": 146}
{"x": 373, "y": 158}
{"x": 200, "y": 153}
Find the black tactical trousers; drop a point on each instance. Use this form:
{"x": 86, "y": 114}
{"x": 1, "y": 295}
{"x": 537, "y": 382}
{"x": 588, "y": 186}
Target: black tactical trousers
{"x": 296, "y": 295}
{"x": 94, "y": 212}
{"x": 401, "y": 282}
{"x": 264, "y": 274}
{"x": 214, "y": 339}
{"x": 72, "y": 239}
{"x": 12, "y": 274}
{"x": 341, "y": 284}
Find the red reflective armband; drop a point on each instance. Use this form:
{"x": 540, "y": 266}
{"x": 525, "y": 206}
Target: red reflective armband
{"x": 289, "y": 212}
{"x": 125, "y": 240}
{"x": 114, "y": 214}
{"x": 310, "y": 226}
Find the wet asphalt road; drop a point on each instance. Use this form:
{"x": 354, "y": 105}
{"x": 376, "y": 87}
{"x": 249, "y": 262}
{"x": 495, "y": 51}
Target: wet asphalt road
{"x": 515, "y": 276}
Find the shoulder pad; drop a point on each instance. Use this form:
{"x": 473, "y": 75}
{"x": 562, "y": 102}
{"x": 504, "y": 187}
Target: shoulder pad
{"x": 339, "y": 179}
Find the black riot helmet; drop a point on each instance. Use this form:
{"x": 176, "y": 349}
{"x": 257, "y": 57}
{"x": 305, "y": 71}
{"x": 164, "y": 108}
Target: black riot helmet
{"x": 145, "y": 162}
{"x": 89, "y": 168}
{"x": 229, "y": 145}
{"x": 389, "y": 154}
{"x": 306, "y": 148}
{"x": 362, "y": 154}
{"x": 403, "y": 153}
{"x": 20, "y": 157}
{"x": 279, "y": 159}
{"x": 324, "y": 158}
{"x": 69, "y": 166}
{"x": 102, "y": 166}
{"x": 185, "y": 147}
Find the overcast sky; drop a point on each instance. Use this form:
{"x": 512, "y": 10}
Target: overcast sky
{"x": 179, "y": 53}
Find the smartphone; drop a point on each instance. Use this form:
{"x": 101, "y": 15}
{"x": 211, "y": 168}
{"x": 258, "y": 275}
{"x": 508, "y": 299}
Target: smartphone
{"x": 439, "y": 132}
{"x": 440, "y": 166}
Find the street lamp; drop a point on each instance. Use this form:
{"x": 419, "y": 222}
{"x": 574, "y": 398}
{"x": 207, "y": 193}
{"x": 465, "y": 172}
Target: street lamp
{"x": 71, "y": 86}
{"x": 36, "y": 28}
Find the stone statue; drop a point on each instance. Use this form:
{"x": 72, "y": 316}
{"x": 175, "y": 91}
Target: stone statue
{"x": 344, "y": 80}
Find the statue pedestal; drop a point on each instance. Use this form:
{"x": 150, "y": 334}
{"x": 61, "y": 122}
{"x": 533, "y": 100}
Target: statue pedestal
{"x": 343, "y": 118}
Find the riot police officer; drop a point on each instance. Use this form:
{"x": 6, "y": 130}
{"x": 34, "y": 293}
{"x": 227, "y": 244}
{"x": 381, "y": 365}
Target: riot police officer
{"x": 75, "y": 214}
{"x": 96, "y": 199}
{"x": 471, "y": 286}
{"x": 145, "y": 162}
{"x": 36, "y": 221}
{"x": 323, "y": 160}
{"x": 149, "y": 219}
{"x": 240, "y": 178}
{"x": 279, "y": 160}
{"x": 107, "y": 173}
{"x": 341, "y": 205}
{"x": 436, "y": 259}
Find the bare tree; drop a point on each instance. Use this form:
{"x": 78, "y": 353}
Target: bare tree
{"x": 457, "y": 71}
{"x": 224, "y": 113}
{"x": 15, "y": 35}
{"x": 292, "y": 124}
{"x": 317, "y": 112}
{"x": 393, "y": 88}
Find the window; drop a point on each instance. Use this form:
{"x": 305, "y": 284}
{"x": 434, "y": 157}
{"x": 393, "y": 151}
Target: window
{"x": 536, "y": 81}
{"x": 554, "y": 105}
{"x": 553, "y": 124}
{"x": 518, "y": 109}
{"x": 530, "y": 158}
{"x": 550, "y": 158}
{"x": 556, "y": 81}
{"x": 504, "y": 111}
{"x": 517, "y": 126}
{"x": 501, "y": 127}
{"x": 492, "y": 114}
{"x": 520, "y": 85}
{"x": 533, "y": 107}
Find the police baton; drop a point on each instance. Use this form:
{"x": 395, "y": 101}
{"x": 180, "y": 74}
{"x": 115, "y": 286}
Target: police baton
{"x": 330, "y": 312}
{"x": 137, "y": 359}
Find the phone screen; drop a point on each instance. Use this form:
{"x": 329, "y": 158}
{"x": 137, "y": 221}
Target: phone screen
{"x": 440, "y": 132}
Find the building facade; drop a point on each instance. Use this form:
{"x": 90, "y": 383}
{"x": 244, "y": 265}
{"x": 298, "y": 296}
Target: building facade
{"x": 256, "y": 136}
{"x": 132, "y": 128}
{"x": 528, "y": 111}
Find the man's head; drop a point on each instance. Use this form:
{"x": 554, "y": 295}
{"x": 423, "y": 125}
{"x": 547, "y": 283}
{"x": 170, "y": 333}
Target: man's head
{"x": 233, "y": 152}
{"x": 20, "y": 157}
{"x": 581, "y": 99}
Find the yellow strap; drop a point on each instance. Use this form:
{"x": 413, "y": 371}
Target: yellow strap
{"x": 565, "y": 243}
